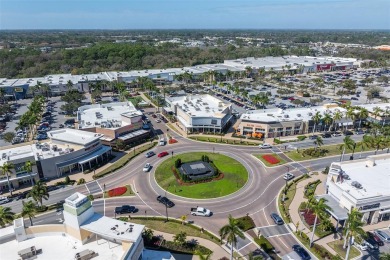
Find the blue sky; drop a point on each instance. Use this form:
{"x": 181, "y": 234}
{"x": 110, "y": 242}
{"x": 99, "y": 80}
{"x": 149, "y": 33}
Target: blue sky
{"x": 194, "y": 14}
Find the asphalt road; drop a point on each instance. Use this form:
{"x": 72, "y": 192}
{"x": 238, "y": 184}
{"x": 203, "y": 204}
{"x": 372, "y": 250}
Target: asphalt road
{"x": 257, "y": 198}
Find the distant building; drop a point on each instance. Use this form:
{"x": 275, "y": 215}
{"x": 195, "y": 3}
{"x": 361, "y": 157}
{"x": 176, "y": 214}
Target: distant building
{"x": 200, "y": 113}
{"x": 118, "y": 120}
{"x": 197, "y": 170}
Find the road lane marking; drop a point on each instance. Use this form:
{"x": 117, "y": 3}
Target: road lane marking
{"x": 278, "y": 235}
{"x": 283, "y": 243}
{"x": 263, "y": 207}
{"x": 99, "y": 185}
{"x": 87, "y": 188}
{"x": 135, "y": 190}
{"x": 244, "y": 246}
{"x": 266, "y": 217}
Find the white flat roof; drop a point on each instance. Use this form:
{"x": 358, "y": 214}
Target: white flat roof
{"x": 292, "y": 114}
{"x": 201, "y": 105}
{"x": 109, "y": 115}
{"x": 374, "y": 179}
{"x": 15, "y": 153}
{"x": 113, "y": 228}
{"x": 61, "y": 247}
{"x": 73, "y": 136}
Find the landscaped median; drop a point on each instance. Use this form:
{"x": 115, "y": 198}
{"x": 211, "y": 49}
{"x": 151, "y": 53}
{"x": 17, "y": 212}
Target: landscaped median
{"x": 124, "y": 160}
{"x": 119, "y": 192}
{"x": 221, "y": 140}
{"x": 270, "y": 160}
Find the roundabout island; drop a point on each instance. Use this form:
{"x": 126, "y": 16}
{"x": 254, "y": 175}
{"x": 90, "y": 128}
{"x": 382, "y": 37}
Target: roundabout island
{"x": 201, "y": 175}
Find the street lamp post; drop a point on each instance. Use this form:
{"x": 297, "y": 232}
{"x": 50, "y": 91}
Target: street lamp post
{"x": 285, "y": 189}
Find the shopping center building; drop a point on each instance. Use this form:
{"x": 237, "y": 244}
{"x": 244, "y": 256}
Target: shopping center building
{"x": 65, "y": 152}
{"x": 200, "y": 113}
{"x": 361, "y": 184}
{"x": 118, "y": 120}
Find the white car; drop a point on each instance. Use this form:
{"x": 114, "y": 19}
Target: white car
{"x": 362, "y": 246}
{"x": 265, "y": 146}
{"x": 288, "y": 176}
{"x": 147, "y": 167}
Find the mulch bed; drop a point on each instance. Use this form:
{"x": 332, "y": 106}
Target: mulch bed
{"x": 117, "y": 191}
{"x": 270, "y": 158}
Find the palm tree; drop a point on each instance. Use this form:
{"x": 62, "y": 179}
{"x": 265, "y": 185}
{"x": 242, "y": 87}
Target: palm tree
{"x": 6, "y": 169}
{"x": 29, "y": 210}
{"x": 362, "y": 114}
{"x": 28, "y": 168}
{"x": 39, "y": 192}
{"x": 327, "y": 119}
{"x": 366, "y": 142}
{"x": 354, "y": 228}
{"x": 318, "y": 207}
{"x": 316, "y": 119}
{"x": 336, "y": 117}
{"x": 201, "y": 256}
{"x": 318, "y": 142}
{"x": 378, "y": 142}
{"x": 377, "y": 112}
{"x": 6, "y": 216}
{"x": 348, "y": 144}
{"x": 148, "y": 234}
{"x": 351, "y": 114}
{"x": 230, "y": 232}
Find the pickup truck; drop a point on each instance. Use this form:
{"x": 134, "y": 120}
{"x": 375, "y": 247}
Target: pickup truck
{"x": 200, "y": 212}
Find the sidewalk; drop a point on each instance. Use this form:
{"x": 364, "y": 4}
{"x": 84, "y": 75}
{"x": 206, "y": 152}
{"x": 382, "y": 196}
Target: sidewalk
{"x": 298, "y": 199}
{"x": 218, "y": 251}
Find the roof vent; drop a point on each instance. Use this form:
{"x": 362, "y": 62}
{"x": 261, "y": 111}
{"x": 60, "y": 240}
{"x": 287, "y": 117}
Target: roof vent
{"x": 370, "y": 162}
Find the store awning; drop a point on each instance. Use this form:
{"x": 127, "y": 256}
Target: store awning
{"x": 337, "y": 212}
{"x": 384, "y": 211}
{"x": 86, "y": 158}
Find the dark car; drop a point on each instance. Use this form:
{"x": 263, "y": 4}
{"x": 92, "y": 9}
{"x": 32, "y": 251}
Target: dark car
{"x": 277, "y": 219}
{"x": 165, "y": 201}
{"x": 346, "y": 133}
{"x": 376, "y": 238}
{"x": 303, "y": 254}
{"x": 149, "y": 154}
{"x": 312, "y": 137}
{"x": 371, "y": 243}
{"x": 327, "y": 135}
{"x": 125, "y": 209}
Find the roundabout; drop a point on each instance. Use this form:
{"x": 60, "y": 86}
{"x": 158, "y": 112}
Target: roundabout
{"x": 233, "y": 176}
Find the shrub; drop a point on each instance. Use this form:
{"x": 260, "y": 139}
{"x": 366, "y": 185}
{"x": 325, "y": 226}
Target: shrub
{"x": 245, "y": 223}
{"x": 270, "y": 158}
{"x": 81, "y": 181}
{"x": 301, "y": 137}
{"x": 117, "y": 191}
{"x": 326, "y": 170}
{"x": 264, "y": 244}
{"x": 67, "y": 180}
{"x": 90, "y": 197}
{"x": 178, "y": 163}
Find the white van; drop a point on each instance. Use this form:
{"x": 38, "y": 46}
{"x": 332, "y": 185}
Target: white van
{"x": 161, "y": 142}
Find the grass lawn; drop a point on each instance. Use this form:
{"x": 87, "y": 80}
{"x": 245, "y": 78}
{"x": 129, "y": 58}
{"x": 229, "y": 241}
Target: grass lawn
{"x": 332, "y": 150}
{"x": 235, "y": 176}
{"x": 129, "y": 192}
{"x": 136, "y": 99}
{"x": 217, "y": 139}
{"x": 338, "y": 247}
{"x": 173, "y": 227}
{"x": 281, "y": 161}
{"x": 171, "y": 125}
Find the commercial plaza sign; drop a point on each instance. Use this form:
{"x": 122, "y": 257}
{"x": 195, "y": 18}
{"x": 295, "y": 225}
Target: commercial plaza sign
{"x": 371, "y": 206}
{"x": 324, "y": 66}
{"x": 18, "y": 89}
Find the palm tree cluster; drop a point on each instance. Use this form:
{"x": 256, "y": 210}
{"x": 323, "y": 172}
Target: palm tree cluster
{"x": 33, "y": 115}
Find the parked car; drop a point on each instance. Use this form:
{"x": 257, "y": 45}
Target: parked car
{"x": 336, "y": 134}
{"x": 4, "y": 200}
{"x": 162, "y": 154}
{"x": 362, "y": 246}
{"x": 146, "y": 167}
{"x": 303, "y": 254}
{"x": 346, "y": 133}
{"x": 125, "y": 209}
{"x": 288, "y": 176}
{"x": 327, "y": 135}
{"x": 165, "y": 201}
{"x": 313, "y": 137}
{"x": 375, "y": 238}
{"x": 383, "y": 236}
{"x": 149, "y": 154}
{"x": 359, "y": 132}
{"x": 161, "y": 142}
{"x": 277, "y": 219}
{"x": 265, "y": 146}
{"x": 371, "y": 243}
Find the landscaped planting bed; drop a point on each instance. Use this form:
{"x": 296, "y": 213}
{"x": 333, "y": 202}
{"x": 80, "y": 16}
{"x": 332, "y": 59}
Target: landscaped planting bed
{"x": 309, "y": 217}
{"x": 117, "y": 191}
{"x": 270, "y": 158}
